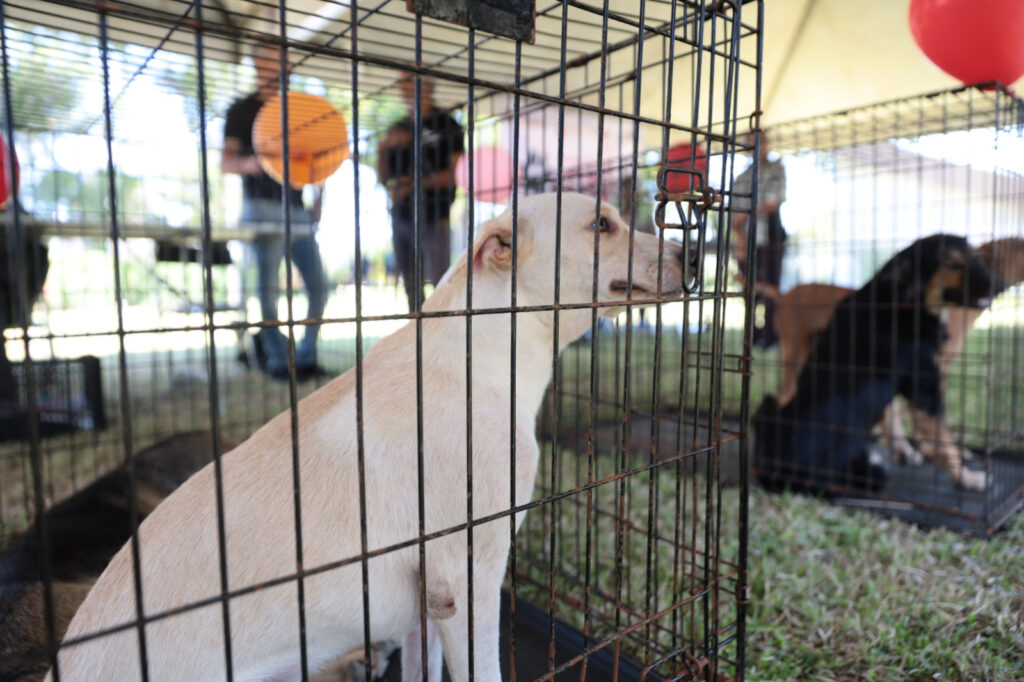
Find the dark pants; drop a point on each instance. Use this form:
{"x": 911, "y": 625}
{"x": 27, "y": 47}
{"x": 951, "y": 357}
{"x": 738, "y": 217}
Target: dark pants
{"x": 269, "y": 251}
{"x": 769, "y": 271}
{"x": 435, "y": 253}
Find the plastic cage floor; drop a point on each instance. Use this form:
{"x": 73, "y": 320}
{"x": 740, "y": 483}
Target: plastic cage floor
{"x": 925, "y": 495}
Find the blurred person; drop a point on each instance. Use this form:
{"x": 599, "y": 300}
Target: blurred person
{"x": 771, "y": 235}
{"x": 261, "y": 203}
{"x": 441, "y": 146}
{"x": 35, "y": 263}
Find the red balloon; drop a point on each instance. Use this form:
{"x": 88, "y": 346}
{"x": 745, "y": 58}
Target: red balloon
{"x": 975, "y": 41}
{"x": 680, "y": 156}
{"x": 492, "y": 174}
{"x": 8, "y": 180}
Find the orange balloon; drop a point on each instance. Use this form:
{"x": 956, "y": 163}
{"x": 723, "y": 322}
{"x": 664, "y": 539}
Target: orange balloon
{"x": 317, "y": 139}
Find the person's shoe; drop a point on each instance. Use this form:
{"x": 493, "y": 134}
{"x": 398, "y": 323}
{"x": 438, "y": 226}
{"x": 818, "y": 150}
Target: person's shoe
{"x": 307, "y": 372}
{"x": 281, "y": 374}
{"x": 250, "y": 351}
{"x": 302, "y": 373}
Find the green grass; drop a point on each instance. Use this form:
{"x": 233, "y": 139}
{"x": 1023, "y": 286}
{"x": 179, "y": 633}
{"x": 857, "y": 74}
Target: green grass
{"x": 835, "y": 594}
{"x": 646, "y": 552}
{"x": 838, "y": 594}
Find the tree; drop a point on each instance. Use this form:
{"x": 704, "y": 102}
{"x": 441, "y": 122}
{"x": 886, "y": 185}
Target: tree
{"x": 44, "y": 81}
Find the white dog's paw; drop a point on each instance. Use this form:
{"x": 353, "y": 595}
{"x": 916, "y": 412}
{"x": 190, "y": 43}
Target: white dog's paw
{"x": 972, "y": 480}
{"x": 907, "y": 453}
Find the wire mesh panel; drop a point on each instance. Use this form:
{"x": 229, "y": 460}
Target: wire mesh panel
{"x": 868, "y": 191}
{"x": 502, "y": 338}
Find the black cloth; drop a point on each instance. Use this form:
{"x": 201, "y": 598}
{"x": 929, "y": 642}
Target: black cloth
{"x": 776, "y": 233}
{"x": 440, "y": 137}
{"x": 769, "y": 270}
{"x": 35, "y": 263}
{"x": 768, "y": 256}
{"x": 238, "y": 124}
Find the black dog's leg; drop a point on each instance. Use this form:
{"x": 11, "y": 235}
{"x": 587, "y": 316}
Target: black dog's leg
{"x": 925, "y": 392}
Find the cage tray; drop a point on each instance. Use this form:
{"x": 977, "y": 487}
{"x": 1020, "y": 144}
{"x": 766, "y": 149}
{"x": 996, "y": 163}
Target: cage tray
{"x": 532, "y": 638}
{"x": 924, "y": 495}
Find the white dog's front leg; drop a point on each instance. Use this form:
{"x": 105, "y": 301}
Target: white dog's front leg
{"x": 486, "y": 624}
{"x": 412, "y": 659}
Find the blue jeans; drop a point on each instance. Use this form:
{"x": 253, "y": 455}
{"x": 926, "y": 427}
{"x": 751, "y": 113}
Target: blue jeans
{"x": 269, "y": 252}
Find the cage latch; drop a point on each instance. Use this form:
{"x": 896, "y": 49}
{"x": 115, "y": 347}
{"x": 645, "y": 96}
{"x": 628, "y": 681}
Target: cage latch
{"x": 698, "y": 200}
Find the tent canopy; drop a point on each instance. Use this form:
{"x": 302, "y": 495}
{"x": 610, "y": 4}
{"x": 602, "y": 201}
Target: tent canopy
{"x": 819, "y": 55}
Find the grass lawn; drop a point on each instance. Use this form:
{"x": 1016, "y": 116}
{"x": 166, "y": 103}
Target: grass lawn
{"x": 838, "y": 594}
{"x": 835, "y": 593}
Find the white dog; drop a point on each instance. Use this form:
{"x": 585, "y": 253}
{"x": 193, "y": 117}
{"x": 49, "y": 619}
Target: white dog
{"x": 178, "y": 542}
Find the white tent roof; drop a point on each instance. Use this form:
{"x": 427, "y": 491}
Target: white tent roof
{"x": 822, "y": 56}
{"x": 819, "y": 56}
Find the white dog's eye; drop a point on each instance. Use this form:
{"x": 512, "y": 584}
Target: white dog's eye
{"x": 602, "y": 225}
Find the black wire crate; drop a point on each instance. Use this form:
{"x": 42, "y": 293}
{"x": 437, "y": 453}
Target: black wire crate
{"x": 477, "y": 391}
{"x": 901, "y": 290}
{"x": 633, "y": 543}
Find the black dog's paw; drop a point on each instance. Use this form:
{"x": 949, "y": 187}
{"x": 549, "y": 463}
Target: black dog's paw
{"x": 865, "y": 474}
{"x": 769, "y": 406}
{"x": 765, "y": 422}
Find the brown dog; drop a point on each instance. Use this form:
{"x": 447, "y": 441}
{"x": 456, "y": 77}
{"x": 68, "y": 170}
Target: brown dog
{"x": 803, "y": 313}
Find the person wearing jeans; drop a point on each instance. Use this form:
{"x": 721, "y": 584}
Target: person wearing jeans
{"x": 262, "y": 207}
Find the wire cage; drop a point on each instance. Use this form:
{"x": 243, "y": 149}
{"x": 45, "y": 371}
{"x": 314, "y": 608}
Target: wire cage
{"x": 630, "y": 562}
{"x": 863, "y": 185}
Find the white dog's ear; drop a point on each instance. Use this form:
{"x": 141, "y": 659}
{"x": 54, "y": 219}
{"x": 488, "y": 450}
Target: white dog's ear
{"x": 494, "y": 245}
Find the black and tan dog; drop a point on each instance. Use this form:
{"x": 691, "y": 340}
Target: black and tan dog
{"x": 84, "y": 532}
{"x": 884, "y": 340}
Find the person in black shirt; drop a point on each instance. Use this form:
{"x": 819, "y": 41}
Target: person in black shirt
{"x": 441, "y": 146}
{"x": 261, "y": 203}
{"x": 766, "y": 222}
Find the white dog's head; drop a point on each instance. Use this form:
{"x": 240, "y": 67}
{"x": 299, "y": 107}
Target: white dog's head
{"x": 591, "y": 241}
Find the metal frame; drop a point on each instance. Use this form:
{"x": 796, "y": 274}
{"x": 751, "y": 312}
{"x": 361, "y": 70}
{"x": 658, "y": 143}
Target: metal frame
{"x": 592, "y": 66}
{"x": 898, "y": 174}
